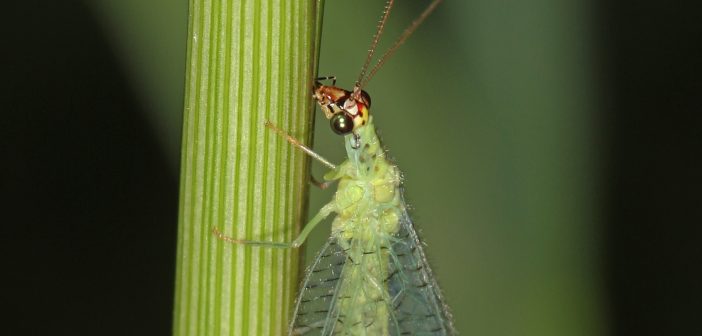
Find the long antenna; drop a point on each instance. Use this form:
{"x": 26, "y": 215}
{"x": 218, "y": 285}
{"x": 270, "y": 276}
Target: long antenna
{"x": 376, "y": 38}
{"x": 400, "y": 40}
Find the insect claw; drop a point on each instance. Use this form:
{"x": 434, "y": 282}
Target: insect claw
{"x": 221, "y": 236}
{"x": 320, "y": 185}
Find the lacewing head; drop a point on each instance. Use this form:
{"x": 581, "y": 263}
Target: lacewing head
{"x": 349, "y": 110}
{"x": 346, "y": 110}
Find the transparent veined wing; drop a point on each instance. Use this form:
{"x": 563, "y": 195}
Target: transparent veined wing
{"x": 418, "y": 306}
{"x": 334, "y": 298}
{"x": 318, "y": 293}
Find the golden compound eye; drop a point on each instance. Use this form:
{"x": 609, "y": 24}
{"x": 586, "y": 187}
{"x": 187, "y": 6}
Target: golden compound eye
{"x": 341, "y": 123}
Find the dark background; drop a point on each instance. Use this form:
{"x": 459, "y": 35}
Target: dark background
{"x": 88, "y": 234}
{"x": 653, "y": 173}
{"x": 89, "y": 202}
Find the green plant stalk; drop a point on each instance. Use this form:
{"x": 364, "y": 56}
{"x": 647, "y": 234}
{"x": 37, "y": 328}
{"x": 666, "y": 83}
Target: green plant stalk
{"x": 248, "y": 62}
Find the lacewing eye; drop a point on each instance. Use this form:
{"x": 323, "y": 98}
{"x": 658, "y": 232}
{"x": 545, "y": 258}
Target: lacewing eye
{"x": 365, "y": 98}
{"x": 341, "y": 123}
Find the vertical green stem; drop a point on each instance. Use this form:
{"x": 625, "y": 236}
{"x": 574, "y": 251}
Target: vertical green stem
{"x": 248, "y": 61}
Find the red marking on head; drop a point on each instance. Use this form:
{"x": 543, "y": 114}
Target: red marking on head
{"x": 330, "y": 94}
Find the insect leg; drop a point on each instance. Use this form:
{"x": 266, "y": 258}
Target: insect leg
{"x": 293, "y": 141}
{"x": 318, "y": 218}
{"x": 333, "y": 79}
{"x": 321, "y": 215}
{"x": 319, "y": 184}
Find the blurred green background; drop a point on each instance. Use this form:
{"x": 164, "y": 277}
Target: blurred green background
{"x": 528, "y": 134}
{"x": 488, "y": 111}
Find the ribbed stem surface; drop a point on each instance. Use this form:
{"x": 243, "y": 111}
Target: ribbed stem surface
{"x": 248, "y": 61}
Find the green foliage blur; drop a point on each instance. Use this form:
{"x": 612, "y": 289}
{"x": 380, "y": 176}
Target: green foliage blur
{"x": 489, "y": 112}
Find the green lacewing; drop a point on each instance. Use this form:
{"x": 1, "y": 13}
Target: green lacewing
{"x": 372, "y": 276}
